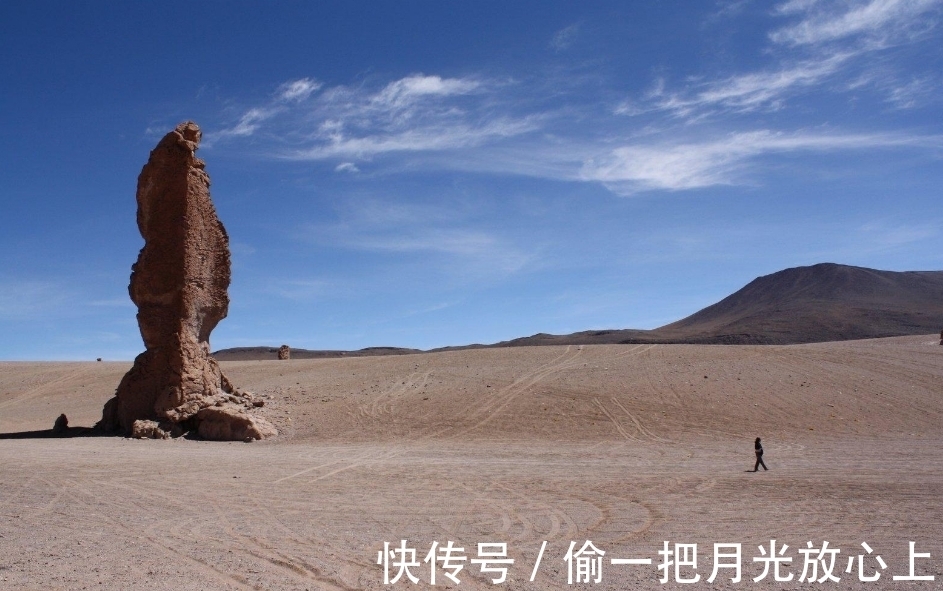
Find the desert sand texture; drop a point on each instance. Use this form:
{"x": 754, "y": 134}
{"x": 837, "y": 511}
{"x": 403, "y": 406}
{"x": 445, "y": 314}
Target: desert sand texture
{"x": 627, "y": 446}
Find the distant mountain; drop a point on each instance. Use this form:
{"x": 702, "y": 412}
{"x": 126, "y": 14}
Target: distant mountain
{"x": 824, "y": 302}
{"x": 258, "y": 353}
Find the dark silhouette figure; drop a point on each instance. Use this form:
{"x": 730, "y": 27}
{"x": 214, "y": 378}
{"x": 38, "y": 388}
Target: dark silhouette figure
{"x": 61, "y": 426}
{"x": 759, "y": 456}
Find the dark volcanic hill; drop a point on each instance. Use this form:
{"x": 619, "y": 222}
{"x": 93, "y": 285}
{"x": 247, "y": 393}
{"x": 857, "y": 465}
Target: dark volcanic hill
{"x": 824, "y": 302}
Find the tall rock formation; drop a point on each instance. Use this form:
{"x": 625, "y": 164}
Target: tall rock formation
{"x": 179, "y": 285}
{"x": 284, "y": 352}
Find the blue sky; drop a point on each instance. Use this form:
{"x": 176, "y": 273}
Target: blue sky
{"x": 423, "y": 174}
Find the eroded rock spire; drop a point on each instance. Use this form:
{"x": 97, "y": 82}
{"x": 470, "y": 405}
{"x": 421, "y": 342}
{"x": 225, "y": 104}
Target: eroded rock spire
{"x": 179, "y": 284}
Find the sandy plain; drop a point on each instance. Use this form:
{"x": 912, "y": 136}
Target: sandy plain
{"x": 627, "y": 446}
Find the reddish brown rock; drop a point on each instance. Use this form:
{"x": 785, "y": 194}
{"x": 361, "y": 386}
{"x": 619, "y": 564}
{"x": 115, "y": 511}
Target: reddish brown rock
{"x": 142, "y": 429}
{"x": 179, "y": 284}
{"x": 284, "y": 352}
{"x": 232, "y": 425}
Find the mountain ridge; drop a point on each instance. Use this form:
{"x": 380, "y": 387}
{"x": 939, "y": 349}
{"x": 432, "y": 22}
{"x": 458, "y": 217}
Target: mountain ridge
{"x": 816, "y": 303}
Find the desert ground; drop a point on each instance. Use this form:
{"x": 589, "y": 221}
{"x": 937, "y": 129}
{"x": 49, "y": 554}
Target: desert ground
{"x": 626, "y": 446}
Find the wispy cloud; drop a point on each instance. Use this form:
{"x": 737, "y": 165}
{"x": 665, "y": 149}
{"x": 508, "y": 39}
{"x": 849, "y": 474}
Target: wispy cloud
{"x": 248, "y": 123}
{"x": 346, "y": 167}
{"x": 424, "y": 122}
{"x": 112, "y": 303}
{"x": 293, "y": 91}
{"x": 821, "y": 46}
{"x": 632, "y": 169}
{"x": 795, "y": 6}
{"x": 411, "y": 89}
{"x": 27, "y": 299}
{"x": 565, "y": 37}
{"x": 434, "y": 235}
{"x": 425, "y": 136}
{"x": 412, "y": 114}
{"x": 297, "y": 90}
{"x": 302, "y": 290}
{"x": 914, "y": 92}
{"x": 743, "y": 92}
{"x": 884, "y": 235}
{"x": 727, "y": 9}
{"x": 879, "y": 20}
{"x": 461, "y": 124}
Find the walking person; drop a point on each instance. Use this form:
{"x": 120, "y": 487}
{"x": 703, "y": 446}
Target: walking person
{"x": 758, "y": 448}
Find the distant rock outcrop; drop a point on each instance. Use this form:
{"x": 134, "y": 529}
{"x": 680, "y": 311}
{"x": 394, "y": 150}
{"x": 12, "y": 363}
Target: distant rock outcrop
{"x": 179, "y": 285}
{"x": 284, "y": 352}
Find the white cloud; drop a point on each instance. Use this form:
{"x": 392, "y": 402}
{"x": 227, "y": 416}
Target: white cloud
{"x": 408, "y": 90}
{"x": 247, "y": 125}
{"x": 913, "y": 93}
{"x": 297, "y": 90}
{"x": 416, "y": 113}
{"x": 293, "y": 91}
{"x": 728, "y": 9}
{"x": 795, "y": 6}
{"x": 249, "y": 122}
{"x": 346, "y": 167}
{"x": 827, "y": 41}
{"x": 445, "y": 240}
{"x": 632, "y": 169}
{"x": 158, "y": 130}
{"x": 425, "y": 136}
{"x": 752, "y": 91}
{"x": 823, "y": 23}
{"x": 900, "y": 91}
{"x": 423, "y": 122}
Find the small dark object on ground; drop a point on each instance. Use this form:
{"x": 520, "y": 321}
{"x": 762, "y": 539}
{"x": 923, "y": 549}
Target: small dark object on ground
{"x": 61, "y": 425}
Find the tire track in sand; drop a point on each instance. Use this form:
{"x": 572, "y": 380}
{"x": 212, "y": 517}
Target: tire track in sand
{"x": 41, "y": 389}
{"x": 160, "y": 543}
{"x": 383, "y": 403}
{"x": 497, "y": 403}
{"x": 484, "y": 413}
{"x": 506, "y": 395}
